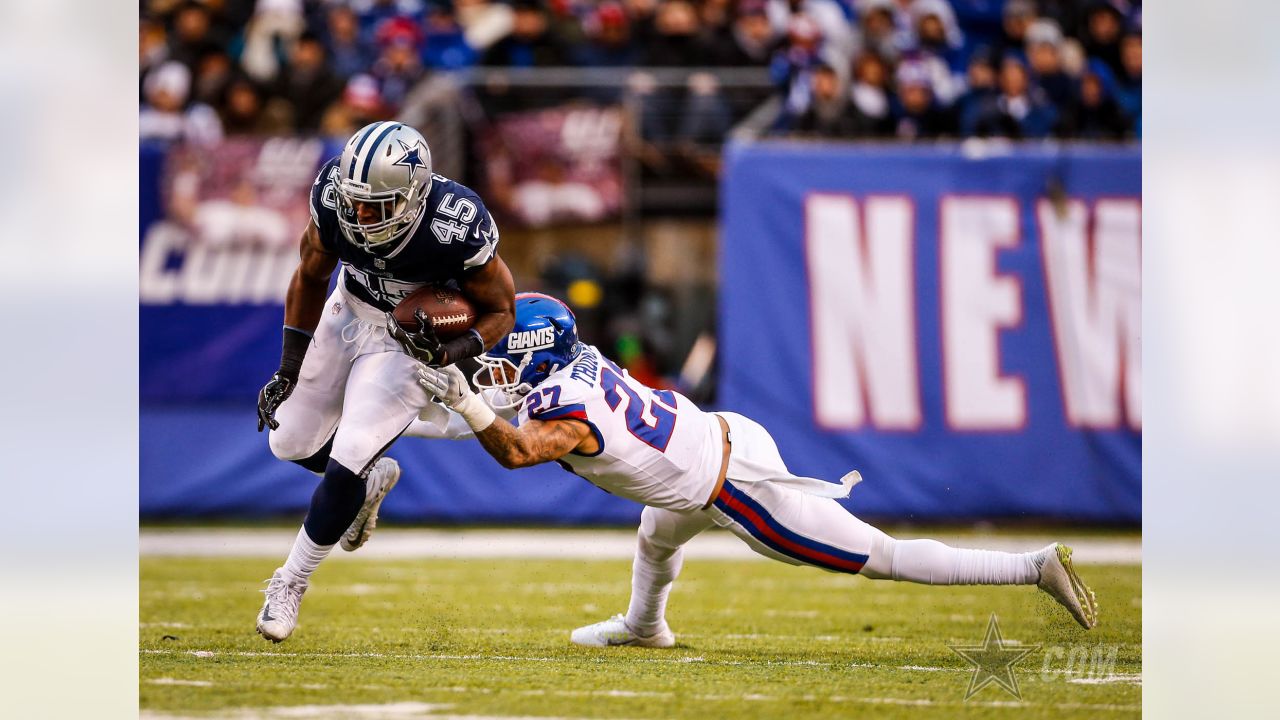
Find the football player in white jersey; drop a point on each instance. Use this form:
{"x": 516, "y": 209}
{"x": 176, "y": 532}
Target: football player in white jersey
{"x": 692, "y": 469}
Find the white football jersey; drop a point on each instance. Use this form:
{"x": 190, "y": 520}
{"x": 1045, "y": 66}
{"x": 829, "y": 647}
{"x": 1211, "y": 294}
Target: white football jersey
{"x": 656, "y": 446}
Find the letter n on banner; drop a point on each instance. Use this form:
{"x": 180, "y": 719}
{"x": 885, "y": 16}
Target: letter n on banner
{"x": 862, "y": 299}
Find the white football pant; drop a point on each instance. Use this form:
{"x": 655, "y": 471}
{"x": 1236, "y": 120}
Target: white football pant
{"x": 355, "y": 379}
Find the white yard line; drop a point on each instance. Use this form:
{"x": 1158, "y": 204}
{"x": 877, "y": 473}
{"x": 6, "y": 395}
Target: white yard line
{"x": 676, "y": 660}
{"x": 392, "y": 543}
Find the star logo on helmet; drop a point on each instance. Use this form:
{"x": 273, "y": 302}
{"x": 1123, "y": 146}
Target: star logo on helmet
{"x": 413, "y": 156}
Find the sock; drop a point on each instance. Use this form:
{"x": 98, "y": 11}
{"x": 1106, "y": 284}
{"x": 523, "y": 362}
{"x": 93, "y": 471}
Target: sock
{"x": 305, "y": 556}
{"x": 334, "y": 504}
{"x": 651, "y": 578}
{"x": 933, "y": 563}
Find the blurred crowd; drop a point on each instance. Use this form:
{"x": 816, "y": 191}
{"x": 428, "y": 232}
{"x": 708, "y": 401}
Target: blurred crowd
{"x": 906, "y": 69}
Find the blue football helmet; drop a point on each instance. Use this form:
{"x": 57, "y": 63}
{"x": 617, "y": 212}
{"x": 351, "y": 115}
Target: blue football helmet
{"x": 544, "y": 339}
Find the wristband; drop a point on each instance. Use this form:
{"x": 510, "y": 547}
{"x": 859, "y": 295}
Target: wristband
{"x": 474, "y": 410}
{"x": 293, "y": 350}
{"x": 463, "y": 347}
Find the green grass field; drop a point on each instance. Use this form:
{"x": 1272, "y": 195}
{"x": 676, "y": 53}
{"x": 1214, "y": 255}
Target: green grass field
{"x": 489, "y": 638}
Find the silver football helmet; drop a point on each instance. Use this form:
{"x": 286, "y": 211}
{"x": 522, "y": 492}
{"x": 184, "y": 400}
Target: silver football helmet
{"x": 385, "y": 179}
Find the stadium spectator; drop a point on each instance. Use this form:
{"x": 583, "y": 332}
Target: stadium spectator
{"x": 676, "y": 41}
{"x": 870, "y": 93}
{"x": 830, "y": 113}
{"x": 1017, "y": 16}
{"x": 274, "y": 27}
{"x": 350, "y": 52}
{"x": 192, "y": 35}
{"x": 360, "y": 104}
{"x": 750, "y": 41}
{"x": 1104, "y": 26}
{"x": 397, "y": 70}
{"x": 827, "y": 15}
{"x": 608, "y": 38}
{"x": 532, "y": 42}
{"x": 444, "y": 45}
{"x": 307, "y": 83}
{"x": 879, "y": 30}
{"x": 980, "y": 93}
{"x": 937, "y": 34}
{"x": 213, "y": 74}
{"x": 399, "y": 43}
{"x": 642, "y": 17}
{"x": 1096, "y": 116}
{"x": 245, "y": 112}
{"x": 716, "y": 18}
{"x": 165, "y": 114}
{"x": 918, "y": 114}
{"x": 483, "y": 22}
{"x": 153, "y": 45}
{"x": 1128, "y": 86}
{"x": 374, "y": 13}
{"x": 1020, "y": 110}
{"x": 1044, "y": 55}
{"x": 792, "y": 64}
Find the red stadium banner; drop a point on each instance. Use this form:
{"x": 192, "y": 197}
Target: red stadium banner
{"x": 561, "y": 165}
{"x": 229, "y": 223}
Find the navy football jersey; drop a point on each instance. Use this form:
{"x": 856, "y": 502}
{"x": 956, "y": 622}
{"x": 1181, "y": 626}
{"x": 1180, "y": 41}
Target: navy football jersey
{"x": 454, "y": 236}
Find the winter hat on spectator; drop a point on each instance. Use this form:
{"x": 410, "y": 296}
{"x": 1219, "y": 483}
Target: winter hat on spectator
{"x": 747, "y": 8}
{"x": 611, "y": 13}
{"x": 940, "y": 9}
{"x": 914, "y": 73}
{"x": 802, "y": 29}
{"x": 1044, "y": 31}
{"x": 172, "y": 78}
{"x": 1019, "y": 8}
{"x": 398, "y": 30}
{"x": 362, "y": 92}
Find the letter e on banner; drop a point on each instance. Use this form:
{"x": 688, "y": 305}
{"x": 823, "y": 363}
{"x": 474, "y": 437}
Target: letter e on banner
{"x": 978, "y": 302}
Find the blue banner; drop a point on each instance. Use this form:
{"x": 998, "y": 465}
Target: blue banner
{"x": 961, "y": 327}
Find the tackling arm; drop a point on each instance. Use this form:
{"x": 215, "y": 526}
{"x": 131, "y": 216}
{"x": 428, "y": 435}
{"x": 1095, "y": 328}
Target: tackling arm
{"x": 535, "y": 442}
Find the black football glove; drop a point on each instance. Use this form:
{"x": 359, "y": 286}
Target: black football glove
{"x": 422, "y": 344}
{"x": 270, "y": 398}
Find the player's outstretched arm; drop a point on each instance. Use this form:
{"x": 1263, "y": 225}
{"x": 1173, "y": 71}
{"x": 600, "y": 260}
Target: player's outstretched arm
{"x": 537, "y": 441}
{"x": 533, "y": 443}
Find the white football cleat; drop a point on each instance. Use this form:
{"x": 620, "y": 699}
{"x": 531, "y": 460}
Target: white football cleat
{"x": 381, "y": 479}
{"x": 279, "y": 614}
{"x": 1058, "y": 578}
{"x": 614, "y": 631}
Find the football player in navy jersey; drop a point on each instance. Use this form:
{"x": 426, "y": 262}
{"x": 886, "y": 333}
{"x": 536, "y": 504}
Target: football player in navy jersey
{"x": 347, "y": 383}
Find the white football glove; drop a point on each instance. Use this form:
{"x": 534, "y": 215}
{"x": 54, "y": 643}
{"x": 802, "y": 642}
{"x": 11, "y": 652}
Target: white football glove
{"x": 449, "y": 385}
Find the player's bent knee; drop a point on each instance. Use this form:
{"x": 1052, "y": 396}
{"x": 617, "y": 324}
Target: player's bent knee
{"x": 287, "y": 445}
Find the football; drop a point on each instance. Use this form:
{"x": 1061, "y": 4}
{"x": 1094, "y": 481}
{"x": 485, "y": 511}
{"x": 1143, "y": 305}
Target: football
{"x": 451, "y": 314}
